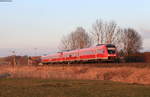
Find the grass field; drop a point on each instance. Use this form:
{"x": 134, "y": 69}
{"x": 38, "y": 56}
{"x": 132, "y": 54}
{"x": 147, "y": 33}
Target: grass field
{"x": 124, "y": 73}
{"x": 21, "y": 87}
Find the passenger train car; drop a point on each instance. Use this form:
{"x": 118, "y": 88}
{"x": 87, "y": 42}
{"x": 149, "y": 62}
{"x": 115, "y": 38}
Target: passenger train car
{"x": 101, "y": 52}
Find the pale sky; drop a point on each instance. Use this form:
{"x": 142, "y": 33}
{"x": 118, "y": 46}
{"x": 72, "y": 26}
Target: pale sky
{"x": 29, "y": 24}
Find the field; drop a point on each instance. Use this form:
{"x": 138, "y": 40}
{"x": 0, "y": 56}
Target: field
{"x": 76, "y": 80}
{"x": 138, "y": 73}
{"x": 24, "y": 87}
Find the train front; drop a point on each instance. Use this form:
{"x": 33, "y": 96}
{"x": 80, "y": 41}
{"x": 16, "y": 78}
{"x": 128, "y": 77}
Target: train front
{"x": 112, "y": 55}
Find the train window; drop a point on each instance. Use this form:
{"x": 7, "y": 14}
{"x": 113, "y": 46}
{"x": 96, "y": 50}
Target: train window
{"x": 74, "y": 54}
{"x": 83, "y": 53}
{"x": 87, "y": 53}
{"x": 66, "y": 55}
{"x": 71, "y": 55}
{"x": 100, "y": 51}
{"x": 111, "y": 51}
{"x": 53, "y": 57}
{"x": 92, "y": 52}
{"x": 49, "y": 57}
{"x": 44, "y": 57}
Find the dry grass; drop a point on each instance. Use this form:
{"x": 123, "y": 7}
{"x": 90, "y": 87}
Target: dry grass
{"x": 121, "y": 74}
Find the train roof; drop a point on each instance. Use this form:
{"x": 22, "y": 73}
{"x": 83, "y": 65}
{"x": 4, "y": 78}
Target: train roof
{"x": 107, "y": 45}
{"x": 110, "y": 45}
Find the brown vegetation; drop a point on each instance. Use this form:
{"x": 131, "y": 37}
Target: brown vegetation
{"x": 121, "y": 74}
{"x": 76, "y": 40}
{"x": 147, "y": 57}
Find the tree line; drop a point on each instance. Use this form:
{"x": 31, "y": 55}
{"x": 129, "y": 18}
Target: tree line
{"x": 127, "y": 40}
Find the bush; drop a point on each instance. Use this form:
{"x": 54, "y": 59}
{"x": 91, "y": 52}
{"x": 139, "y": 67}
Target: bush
{"x": 139, "y": 57}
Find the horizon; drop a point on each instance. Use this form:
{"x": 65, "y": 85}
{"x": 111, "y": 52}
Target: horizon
{"x": 29, "y": 25}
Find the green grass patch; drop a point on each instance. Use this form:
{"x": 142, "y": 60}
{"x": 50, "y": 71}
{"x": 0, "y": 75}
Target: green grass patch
{"x": 70, "y": 88}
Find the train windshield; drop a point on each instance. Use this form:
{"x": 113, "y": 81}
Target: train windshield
{"x": 111, "y": 50}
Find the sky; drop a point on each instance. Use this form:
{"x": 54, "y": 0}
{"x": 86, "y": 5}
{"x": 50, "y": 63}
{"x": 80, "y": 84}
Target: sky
{"x": 35, "y": 27}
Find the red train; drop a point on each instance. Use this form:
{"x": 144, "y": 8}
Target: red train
{"x": 101, "y": 52}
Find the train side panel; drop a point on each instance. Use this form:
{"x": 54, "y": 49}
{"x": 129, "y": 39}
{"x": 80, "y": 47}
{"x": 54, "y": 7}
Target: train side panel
{"x": 102, "y": 52}
{"x": 71, "y": 56}
{"x": 87, "y": 54}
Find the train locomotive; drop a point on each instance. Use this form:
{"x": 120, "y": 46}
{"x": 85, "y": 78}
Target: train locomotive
{"x": 101, "y": 52}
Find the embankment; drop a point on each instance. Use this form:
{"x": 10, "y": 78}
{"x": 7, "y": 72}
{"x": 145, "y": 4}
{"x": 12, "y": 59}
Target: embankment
{"x": 121, "y": 74}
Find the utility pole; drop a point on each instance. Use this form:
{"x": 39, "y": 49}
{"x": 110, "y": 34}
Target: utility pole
{"x": 14, "y": 58}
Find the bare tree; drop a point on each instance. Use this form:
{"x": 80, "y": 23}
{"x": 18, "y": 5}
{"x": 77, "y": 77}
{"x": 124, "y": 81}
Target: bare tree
{"x": 65, "y": 44}
{"x": 98, "y": 31}
{"x": 132, "y": 41}
{"x": 76, "y": 40}
{"x": 110, "y": 30}
{"x": 127, "y": 40}
{"x": 106, "y": 32}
